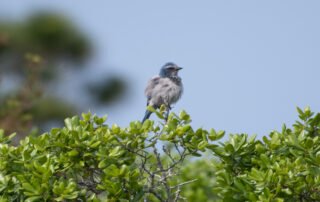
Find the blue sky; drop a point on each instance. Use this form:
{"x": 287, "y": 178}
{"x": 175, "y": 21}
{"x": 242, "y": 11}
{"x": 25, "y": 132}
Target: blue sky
{"x": 247, "y": 64}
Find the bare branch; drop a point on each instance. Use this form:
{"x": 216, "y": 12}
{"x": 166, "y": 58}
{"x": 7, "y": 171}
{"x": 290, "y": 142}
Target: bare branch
{"x": 162, "y": 171}
{"x": 167, "y": 151}
{"x": 177, "y": 148}
{"x": 175, "y": 163}
{"x": 177, "y": 195}
{"x": 156, "y": 174}
{"x": 183, "y": 183}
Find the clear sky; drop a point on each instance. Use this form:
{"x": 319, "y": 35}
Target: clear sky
{"x": 247, "y": 64}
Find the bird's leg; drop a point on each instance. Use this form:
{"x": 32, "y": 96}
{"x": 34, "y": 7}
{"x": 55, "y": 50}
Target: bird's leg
{"x": 168, "y": 108}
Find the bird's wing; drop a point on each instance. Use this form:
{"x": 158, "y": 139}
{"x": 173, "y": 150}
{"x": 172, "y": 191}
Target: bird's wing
{"x": 151, "y": 85}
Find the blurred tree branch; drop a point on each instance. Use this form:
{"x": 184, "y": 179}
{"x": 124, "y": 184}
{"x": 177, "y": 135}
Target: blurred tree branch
{"x": 33, "y": 50}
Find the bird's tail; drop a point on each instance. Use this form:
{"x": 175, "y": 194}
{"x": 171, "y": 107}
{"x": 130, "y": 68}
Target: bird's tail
{"x": 146, "y": 115}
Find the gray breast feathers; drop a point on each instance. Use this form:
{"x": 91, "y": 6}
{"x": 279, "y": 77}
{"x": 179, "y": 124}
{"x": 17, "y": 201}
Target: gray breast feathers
{"x": 163, "y": 91}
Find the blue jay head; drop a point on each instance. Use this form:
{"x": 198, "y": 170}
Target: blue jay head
{"x": 169, "y": 70}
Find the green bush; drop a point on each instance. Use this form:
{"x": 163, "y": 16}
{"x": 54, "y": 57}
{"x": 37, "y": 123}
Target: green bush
{"x": 281, "y": 167}
{"x": 88, "y": 160}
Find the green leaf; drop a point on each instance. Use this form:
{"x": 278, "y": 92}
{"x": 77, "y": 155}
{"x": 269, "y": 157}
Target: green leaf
{"x": 115, "y": 129}
{"x": 229, "y": 148}
{"x": 213, "y": 135}
{"x": 123, "y": 170}
{"x": 99, "y": 121}
{"x": 73, "y": 153}
{"x": 34, "y": 198}
{"x": 196, "y": 154}
{"x": 112, "y": 170}
{"x": 287, "y": 191}
{"x": 115, "y": 152}
{"x": 27, "y": 186}
{"x": 307, "y": 111}
{"x": 104, "y": 163}
{"x": 301, "y": 113}
{"x": 86, "y": 116}
{"x": 184, "y": 116}
{"x": 95, "y": 144}
{"x": 68, "y": 123}
{"x": 159, "y": 114}
{"x": 202, "y": 145}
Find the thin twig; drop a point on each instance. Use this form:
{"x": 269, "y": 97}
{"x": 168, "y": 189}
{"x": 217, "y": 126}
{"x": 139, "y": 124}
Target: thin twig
{"x": 177, "y": 194}
{"x": 177, "y": 148}
{"x": 181, "y": 159}
{"x": 162, "y": 171}
{"x": 167, "y": 151}
{"x": 183, "y": 183}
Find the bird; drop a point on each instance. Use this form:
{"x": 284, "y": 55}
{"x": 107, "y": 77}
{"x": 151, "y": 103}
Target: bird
{"x": 164, "y": 89}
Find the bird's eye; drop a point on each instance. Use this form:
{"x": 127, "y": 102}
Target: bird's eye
{"x": 171, "y": 68}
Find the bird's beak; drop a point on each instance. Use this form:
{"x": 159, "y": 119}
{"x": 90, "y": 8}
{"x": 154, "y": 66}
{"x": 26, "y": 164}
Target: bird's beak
{"x": 179, "y": 68}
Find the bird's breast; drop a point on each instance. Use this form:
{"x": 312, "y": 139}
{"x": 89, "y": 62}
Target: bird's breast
{"x": 164, "y": 91}
{"x": 172, "y": 90}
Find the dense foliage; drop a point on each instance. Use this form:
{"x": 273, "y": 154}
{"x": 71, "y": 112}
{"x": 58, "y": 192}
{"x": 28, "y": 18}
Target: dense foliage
{"x": 89, "y": 160}
{"x": 281, "y": 167}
